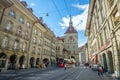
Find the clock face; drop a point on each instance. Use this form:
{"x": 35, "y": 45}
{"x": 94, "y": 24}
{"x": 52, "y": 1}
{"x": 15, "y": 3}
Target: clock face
{"x": 70, "y": 37}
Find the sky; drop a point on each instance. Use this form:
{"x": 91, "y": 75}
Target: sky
{"x": 59, "y": 12}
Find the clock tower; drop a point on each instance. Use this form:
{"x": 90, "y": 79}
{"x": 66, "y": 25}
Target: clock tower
{"x": 71, "y": 41}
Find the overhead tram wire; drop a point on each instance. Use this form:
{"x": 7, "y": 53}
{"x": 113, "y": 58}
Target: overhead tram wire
{"x": 67, "y": 8}
{"x": 57, "y": 8}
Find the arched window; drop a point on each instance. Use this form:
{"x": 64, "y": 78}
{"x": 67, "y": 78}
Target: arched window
{"x": 5, "y": 42}
{"x": 12, "y": 13}
{"x": 8, "y": 25}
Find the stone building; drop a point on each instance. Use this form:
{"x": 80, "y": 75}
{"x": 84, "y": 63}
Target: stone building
{"x": 82, "y": 54}
{"x": 102, "y": 30}
{"x": 69, "y": 43}
{"x": 23, "y": 37}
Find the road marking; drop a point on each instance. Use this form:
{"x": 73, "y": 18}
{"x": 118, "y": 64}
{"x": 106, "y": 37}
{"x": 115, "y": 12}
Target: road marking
{"x": 80, "y": 74}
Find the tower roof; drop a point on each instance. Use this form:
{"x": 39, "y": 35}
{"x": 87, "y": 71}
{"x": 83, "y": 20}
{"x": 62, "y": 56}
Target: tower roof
{"x": 70, "y": 29}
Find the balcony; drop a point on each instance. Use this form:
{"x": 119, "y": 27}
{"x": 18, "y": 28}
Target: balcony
{"x": 8, "y": 31}
{"x": 5, "y": 47}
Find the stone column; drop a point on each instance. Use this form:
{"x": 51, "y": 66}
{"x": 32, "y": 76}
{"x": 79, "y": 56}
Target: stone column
{"x": 6, "y": 64}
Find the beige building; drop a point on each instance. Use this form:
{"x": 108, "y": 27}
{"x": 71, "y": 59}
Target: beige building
{"x": 23, "y": 37}
{"x": 82, "y": 54}
{"x": 102, "y": 30}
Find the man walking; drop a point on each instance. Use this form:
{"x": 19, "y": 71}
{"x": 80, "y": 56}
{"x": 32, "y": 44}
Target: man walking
{"x": 100, "y": 70}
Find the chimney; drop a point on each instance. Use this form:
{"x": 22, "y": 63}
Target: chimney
{"x": 41, "y": 20}
{"x": 24, "y": 3}
{"x": 30, "y": 9}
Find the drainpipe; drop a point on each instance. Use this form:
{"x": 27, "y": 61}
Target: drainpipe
{"x": 29, "y": 45}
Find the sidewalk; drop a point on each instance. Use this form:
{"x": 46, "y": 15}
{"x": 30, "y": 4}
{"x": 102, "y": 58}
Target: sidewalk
{"x": 25, "y": 70}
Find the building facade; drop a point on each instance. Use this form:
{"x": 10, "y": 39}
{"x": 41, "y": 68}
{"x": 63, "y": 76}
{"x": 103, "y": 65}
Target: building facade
{"x": 23, "y": 36}
{"x": 69, "y": 43}
{"x": 102, "y": 30}
{"x": 82, "y": 54}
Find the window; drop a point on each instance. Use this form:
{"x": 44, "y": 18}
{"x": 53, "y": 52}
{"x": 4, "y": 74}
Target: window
{"x": 102, "y": 14}
{"x": 116, "y": 17}
{"x": 68, "y": 47}
{"x": 26, "y": 35}
{"x": 34, "y": 40}
{"x": 21, "y": 20}
{"x": 73, "y": 46}
{"x": 12, "y": 13}
{"x": 39, "y": 51}
{"x": 8, "y": 25}
{"x": 28, "y": 24}
{"x": 35, "y": 31}
{"x": 105, "y": 34}
{"x": 39, "y": 42}
{"x": 19, "y": 30}
{"x": 111, "y": 2}
{"x": 16, "y": 44}
{"x": 40, "y": 34}
{"x": 4, "y": 42}
{"x": 24, "y": 46}
{"x": 33, "y": 51}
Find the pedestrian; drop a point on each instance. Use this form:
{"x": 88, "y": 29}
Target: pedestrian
{"x": 65, "y": 66}
{"x": 100, "y": 70}
{"x": 17, "y": 67}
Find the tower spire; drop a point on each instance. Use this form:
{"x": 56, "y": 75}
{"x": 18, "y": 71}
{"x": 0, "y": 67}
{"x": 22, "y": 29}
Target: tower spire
{"x": 70, "y": 23}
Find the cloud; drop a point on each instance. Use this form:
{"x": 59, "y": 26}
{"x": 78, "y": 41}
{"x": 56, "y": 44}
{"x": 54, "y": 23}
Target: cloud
{"x": 79, "y": 21}
{"x": 32, "y": 4}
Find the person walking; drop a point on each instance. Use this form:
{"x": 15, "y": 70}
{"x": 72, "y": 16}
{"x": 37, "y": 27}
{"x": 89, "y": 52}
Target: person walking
{"x": 64, "y": 66}
{"x": 100, "y": 70}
